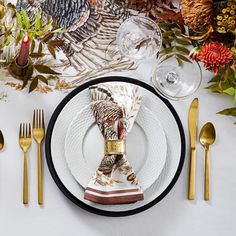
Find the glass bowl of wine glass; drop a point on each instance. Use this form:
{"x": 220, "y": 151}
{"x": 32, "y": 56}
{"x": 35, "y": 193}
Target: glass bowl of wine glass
{"x": 175, "y": 78}
{"x": 139, "y": 38}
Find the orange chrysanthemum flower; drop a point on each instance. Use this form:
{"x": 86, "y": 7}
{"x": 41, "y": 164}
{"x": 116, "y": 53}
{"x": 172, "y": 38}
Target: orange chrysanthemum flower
{"x": 214, "y": 55}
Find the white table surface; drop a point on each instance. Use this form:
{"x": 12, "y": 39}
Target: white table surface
{"x": 174, "y": 215}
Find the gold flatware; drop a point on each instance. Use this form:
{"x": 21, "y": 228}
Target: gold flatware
{"x": 1, "y": 140}
{"x": 192, "y": 124}
{"x": 25, "y": 143}
{"x": 39, "y": 134}
{"x": 207, "y": 137}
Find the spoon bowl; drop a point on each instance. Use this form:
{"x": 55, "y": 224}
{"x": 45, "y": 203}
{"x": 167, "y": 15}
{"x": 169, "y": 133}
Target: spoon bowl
{"x": 1, "y": 141}
{"x": 207, "y": 135}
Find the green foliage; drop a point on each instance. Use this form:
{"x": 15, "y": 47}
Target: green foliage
{"x": 174, "y": 44}
{"x": 41, "y": 30}
{"x": 38, "y": 30}
{"x": 224, "y": 82}
{"x": 229, "y": 112}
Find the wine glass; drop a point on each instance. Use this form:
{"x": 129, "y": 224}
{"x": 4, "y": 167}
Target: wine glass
{"x": 139, "y": 38}
{"x": 176, "y": 79}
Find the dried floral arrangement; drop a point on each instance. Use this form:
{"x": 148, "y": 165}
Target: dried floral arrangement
{"x": 83, "y": 40}
{"x": 40, "y": 29}
{"x": 87, "y": 38}
{"x": 209, "y": 25}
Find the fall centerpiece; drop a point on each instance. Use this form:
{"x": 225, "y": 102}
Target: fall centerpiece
{"x": 208, "y": 25}
{"x": 85, "y": 39}
{"x": 214, "y": 38}
{"x": 69, "y": 42}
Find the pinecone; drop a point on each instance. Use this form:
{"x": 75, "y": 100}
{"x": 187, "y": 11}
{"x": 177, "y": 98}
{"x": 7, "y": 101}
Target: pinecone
{"x": 197, "y": 14}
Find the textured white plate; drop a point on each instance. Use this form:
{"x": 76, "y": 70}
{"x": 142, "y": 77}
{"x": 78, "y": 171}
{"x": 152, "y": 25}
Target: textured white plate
{"x": 169, "y": 124}
{"x": 146, "y": 147}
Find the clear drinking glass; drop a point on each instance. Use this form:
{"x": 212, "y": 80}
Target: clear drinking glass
{"x": 139, "y": 38}
{"x": 176, "y": 81}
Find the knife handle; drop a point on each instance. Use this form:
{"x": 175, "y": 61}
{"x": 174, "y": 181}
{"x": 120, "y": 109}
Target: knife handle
{"x": 192, "y": 170}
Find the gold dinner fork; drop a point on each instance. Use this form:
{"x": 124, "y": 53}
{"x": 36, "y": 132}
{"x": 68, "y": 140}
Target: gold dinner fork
{"x": 39, "y": 134}
{"x": 25, "y": 143}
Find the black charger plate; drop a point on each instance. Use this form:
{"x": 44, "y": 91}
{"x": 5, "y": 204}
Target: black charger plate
{"x": 52, "y": 169}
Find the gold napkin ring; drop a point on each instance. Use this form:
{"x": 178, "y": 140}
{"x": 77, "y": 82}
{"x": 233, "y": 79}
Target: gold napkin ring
{"x": 115, "y": 147}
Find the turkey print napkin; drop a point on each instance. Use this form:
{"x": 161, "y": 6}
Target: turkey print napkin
{"x": 115, "y": 106}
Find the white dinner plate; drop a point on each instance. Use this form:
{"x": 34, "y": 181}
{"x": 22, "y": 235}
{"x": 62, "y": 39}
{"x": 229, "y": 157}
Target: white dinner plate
{"x": 146, "y": 149}
{"x": 55, "y": 152}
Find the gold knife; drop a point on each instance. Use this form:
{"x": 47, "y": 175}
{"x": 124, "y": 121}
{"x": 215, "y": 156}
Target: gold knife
{"x": 192, "y": 124}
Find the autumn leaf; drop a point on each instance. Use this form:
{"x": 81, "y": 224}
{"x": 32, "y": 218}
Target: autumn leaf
{"x": 40, "y": 48}
{"x": 42, "y": 78}
{"x": 166, "y": 50}
{"x": 29, "y": 71}
{"x": 165, "y": 57}
{"x": 32, "y": 45}
{"x": 33, "y": 84}
{"x": 37, "y": 55}
{"x": 56, "y": 43}
{"x": 47, "y": 37}
{"x": 180, "y": 62}
{"x": 182, "y": 49}
{"x": 167, "y": 34}
{"x": 215, "y": 79}
{"x": 27, "y": 76}
{"x": 167, "y": 41}
{"x": 182, "y": 41}
{"x": 52, "y": 51}
{"x": 228, "y": 112}
{"x": 183, "y": 58}
{"x": 45, "y": 70}
{"x": 25, "y": 82}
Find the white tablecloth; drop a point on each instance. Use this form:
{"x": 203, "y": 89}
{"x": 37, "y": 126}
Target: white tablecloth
{"x": 174, "y": 215}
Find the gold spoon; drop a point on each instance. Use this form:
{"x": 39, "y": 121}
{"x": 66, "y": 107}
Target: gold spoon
{"x": 1, "y": 141}
{"x": 207, "y": 137}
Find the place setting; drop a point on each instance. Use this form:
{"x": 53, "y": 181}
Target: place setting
{"x": 115, "y": 145}
{"x": 74, "y": 138}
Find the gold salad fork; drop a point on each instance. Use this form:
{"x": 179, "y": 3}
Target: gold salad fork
{"x": 39, "y": 134}
{"x": 25, "y": 143}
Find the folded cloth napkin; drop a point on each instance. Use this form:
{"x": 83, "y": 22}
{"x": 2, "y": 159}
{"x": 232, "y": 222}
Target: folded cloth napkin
{"x": 115, "y": 106}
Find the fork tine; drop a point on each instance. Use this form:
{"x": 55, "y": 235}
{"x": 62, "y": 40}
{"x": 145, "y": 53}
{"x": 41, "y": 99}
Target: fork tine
{"x": 37, "y": 118}
{"x": 26, "y": 129}
{"x": 23, "y": 133}
{"x": 29, "y": 130}
{"x": 43, "y": 126}
{"x": 20, "y": 130}
{"x": 40, "y": 118}
{"x": 34, "y": 120}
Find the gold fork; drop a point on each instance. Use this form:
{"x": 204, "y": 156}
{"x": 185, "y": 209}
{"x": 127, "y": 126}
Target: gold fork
{"x": 25, "y": 143}
{"x": 39, "y": 134}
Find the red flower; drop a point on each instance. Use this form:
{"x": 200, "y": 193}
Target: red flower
{"x": 214, "y": 55}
